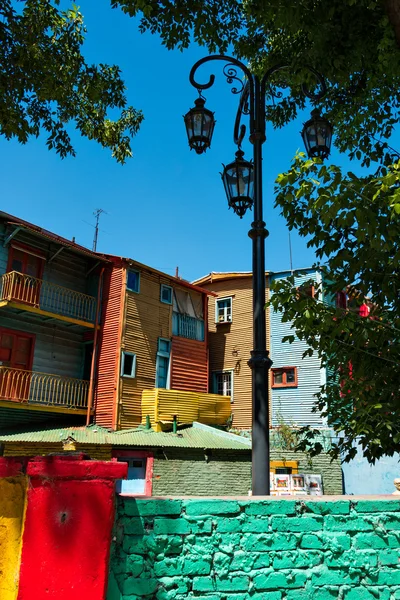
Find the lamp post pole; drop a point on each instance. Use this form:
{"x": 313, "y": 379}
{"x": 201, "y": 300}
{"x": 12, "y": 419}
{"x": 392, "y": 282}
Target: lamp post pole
{"x": 200, "y": 125}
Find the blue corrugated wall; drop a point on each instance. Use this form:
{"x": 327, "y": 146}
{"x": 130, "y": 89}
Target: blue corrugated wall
{"x": 294, "y": 405}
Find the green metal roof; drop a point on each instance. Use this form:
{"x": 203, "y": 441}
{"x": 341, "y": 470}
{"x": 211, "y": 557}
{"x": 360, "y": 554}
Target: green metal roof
{"x": 197, "y": 436}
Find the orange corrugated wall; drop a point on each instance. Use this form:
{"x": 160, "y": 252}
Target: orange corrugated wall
{"x": 189, "y": 368}
{"x": 110, "y": 344}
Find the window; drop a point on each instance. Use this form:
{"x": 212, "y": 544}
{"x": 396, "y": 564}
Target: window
{"x": 287, "y": 467}
{"x": 166, "y": 294}
{"x": 133, "y": 282}
{"x": 140, "y": 473}
{"x": 222, "y": 383}
{"x": 223, "y": 310}
{"x": 162, "y": 363}
{"x": 284, "y": 377}
{"x": 128, "y": 364}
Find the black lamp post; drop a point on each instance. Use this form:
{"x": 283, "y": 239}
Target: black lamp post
{"x": 243, "y": 186}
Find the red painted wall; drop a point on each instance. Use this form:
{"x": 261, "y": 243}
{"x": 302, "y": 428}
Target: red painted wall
{"x": 68, "y": 524}
{"x": 189, "y": 368}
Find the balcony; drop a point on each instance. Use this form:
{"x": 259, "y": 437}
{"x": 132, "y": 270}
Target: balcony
{"x": 187, "y": 327}
{"x": 43, "y": 391}
{"x": 48, "y": 299}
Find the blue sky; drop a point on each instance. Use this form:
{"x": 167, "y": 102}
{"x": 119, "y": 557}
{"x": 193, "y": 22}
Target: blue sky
{"x": 166, "y": 207}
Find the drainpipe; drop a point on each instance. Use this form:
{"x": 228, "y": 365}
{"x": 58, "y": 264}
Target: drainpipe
{"x": 174, "y": 425}
{"x": 94, "y": 357}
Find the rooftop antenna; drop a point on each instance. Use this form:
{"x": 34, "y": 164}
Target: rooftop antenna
{"x": 290, "y": 253}
{"x": 97, "y": 214}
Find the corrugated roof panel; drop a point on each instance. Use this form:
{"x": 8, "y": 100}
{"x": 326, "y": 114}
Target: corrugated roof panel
{"x": 198, "y": 436}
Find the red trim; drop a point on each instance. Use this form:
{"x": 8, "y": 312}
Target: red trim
{"x": 284, "y": 384}
{"x": 19, "y": 333}
{"x": 22, "y": 248}
{"x": 149, "y": 467}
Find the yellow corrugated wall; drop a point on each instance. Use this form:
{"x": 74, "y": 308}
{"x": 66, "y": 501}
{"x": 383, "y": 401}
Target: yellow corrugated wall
{"x": 146, "y": 319}
{"x": 230, "y": 344}
{"x": 161, "y": 405}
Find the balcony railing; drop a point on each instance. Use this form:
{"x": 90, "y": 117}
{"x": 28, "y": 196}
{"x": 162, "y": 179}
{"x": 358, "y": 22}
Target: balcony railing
{"x": 42, "y": 388}
{"x": 47, "y": 296}
{"x": 187, "y": 327}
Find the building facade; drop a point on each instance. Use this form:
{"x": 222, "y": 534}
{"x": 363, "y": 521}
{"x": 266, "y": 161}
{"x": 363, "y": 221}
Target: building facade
{"x": 49, "y": 307}
{"x": 294, "y": 380}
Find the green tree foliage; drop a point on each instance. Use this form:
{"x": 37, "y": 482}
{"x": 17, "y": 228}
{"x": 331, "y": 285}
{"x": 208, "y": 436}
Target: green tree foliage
{"x": 45, "y": 83}
{"x": 353, "y": 225}
{"x": 352, "y": 222}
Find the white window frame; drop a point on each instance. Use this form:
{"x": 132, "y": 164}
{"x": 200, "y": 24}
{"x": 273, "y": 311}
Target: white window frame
{"x": 227, "y": 318}
{"x": 163, "y": 287}
{"x": 127, "y": 279}
{"x": 133, "y": 370}
{"x": 214, "y": 381}
{"x": 164, "y": 354}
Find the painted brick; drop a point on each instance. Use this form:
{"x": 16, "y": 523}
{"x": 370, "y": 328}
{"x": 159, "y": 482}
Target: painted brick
{"x": 373, "y": 506}
{"x": 246, "y": 561}
{"x": 196, "y": 567}
{"x": 297, "y": 559}
{"x": 363, "y": 541}
{"x": 266, "y": 542}
{"x": 335, "y": 542}
{"x": 268, "y": 507}
{"x": 203, "y": 584}
{"x": 389, "y": 557}
{"x": 256, "y": 525}
{"x": 178, "y": 526}
{"x": 133, "y": 525}
{"x": 351, "y": 523}
{"x": 359, "y": 593}
{"x": 364, "y": 558}
{"x": 323, "y": 577}
{"x": 341, "y": 507}
{"x": 265, "y": 596}
{"x": 228, "y": 525}
{"x": 282, "y": 579}
{"x": 139, "y": 587}
{"x": 211, "y": 507}
{"x": 325, "y": 594}
{"x": 168, "y": 567}
{"x": 199, "y": 524}
{"x": 390, "y": 522}
{"x": 384, "y": 577}
{"x": 134, "y": 507}
{"x": 233, "y": 584}
{"x": 297, "y": 524}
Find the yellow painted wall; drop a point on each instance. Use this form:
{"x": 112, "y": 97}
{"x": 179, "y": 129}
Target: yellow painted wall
{"x": 230, "y": 344}
{"x": 12, "y": 506}
{"x": 95, "y": 452}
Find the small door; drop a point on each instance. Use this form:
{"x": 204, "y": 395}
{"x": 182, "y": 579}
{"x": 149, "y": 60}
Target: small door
{"x": 16, "y": 357}
{"x": 25, "y": 289}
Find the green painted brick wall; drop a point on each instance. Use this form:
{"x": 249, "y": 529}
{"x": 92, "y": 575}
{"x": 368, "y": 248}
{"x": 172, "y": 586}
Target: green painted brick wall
{"x": 226, "y": 472}
{"x": 274, "y": 549}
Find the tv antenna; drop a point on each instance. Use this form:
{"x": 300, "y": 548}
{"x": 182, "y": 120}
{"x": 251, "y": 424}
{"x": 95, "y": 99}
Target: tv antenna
{"x": 97, "y": 214}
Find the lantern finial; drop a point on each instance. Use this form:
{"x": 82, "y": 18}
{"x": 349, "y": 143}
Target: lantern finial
{"x": 200, "y": 123}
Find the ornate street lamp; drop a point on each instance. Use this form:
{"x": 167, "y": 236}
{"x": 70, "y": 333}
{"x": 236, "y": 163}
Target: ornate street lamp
{"x": 200, "y": 123}
{"x": 238, "y": 179}
{"x": 243, "y": 186}
{"x": 317, "y": 135}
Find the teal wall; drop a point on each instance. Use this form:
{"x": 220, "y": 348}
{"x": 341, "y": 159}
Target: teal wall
{"x": 249, "y": 549}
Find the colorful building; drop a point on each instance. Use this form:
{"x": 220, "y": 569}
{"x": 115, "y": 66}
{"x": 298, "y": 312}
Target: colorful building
{"x": 49, "y": 308}
{"x": 230, "y": 326}
{"x": 154, "y": 337}
{"x": 84, "y": 335}
{"x": 293, "y": 379}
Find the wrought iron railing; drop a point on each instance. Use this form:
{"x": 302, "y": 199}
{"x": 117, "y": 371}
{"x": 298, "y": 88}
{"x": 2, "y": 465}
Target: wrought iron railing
{"x": 187, "y": 327}
{"x": 47, "y": 296}
{"x": 42, "y": 388}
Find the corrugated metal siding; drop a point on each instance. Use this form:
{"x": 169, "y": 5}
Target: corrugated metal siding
{"x": 146, "y": 319}
{"x": 189, "y": 365}
{"x": 162, "y": 405}
{"x": 294, "y": 405}
{"x": 109, "y": 347}
{"x": 230, "y": 345}
{"x": 3, "y": 250}
{"x": 58, "y": 350}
